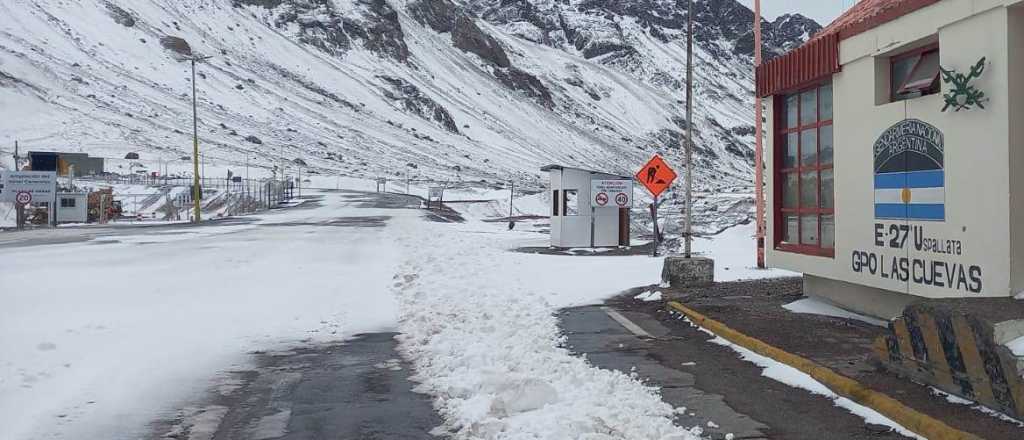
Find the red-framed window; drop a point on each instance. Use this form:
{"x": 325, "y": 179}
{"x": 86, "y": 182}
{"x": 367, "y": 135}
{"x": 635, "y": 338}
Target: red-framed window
{"x": 804, "y": 195}
{"x": 914, "y": 73}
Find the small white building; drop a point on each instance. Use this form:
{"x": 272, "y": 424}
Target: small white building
{"x": 72, "y": 207}
{"x": 589, "y": 208}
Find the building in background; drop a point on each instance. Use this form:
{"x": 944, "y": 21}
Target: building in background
{"x": 62, "y": 163}
{"x": 580, "y": 215}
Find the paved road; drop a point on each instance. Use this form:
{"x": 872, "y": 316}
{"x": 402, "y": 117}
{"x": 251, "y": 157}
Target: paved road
{"x": 356, "y": 390}
{"x": 709, "y": 380}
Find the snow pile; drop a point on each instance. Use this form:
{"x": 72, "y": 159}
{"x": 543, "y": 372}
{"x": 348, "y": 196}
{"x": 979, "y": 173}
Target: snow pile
{"x": 478, "y": 325}
{"x": 815, "y": 306}
{"x": 957, "y": 400}
{"x": 735, "y": 253}
{"x": 1016, "y": 346}
{"x": 648, "y": 296}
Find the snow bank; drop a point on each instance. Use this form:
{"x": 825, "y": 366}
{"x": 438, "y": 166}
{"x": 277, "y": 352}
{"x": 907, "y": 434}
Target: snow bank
{"x": 649, "y": 296}
{"x": 735, "y": 254}
{"x": 96, "y": 340}
{"x": 815, "y": 306}
{"x": 478, "y": 325}
{"x": 1017, "y": 346}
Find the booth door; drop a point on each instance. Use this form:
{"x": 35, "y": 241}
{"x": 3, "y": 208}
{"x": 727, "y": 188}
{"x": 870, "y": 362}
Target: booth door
{"x": 623, "y": 226}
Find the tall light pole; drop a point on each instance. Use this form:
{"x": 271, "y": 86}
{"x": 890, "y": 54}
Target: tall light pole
{"x": 183, "y": 52}
{"x": 758, "y": 146}
{"x": 196, "y": 191}
{"x": 688, "y": 222}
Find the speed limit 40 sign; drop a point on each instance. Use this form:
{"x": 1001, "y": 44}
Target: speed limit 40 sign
{"x": 611, "y": 193}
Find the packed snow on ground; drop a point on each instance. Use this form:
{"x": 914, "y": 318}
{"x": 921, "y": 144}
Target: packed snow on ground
{"x": 478, "y": 324}
{"x": 976, "y": 406}
{"x": 1016, "y": 346}
{"x": 98, "y": 338}
{"x": 649, "y": 295}
{"x": 797, "y": 379}
{"x": 735, "y": 254}
{"x": 815, "y": 306}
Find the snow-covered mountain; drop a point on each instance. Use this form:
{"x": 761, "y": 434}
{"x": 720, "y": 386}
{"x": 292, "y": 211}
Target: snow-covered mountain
{"x": 477, "y": 90}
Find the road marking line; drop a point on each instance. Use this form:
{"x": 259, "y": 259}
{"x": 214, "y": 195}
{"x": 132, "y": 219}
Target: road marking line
{"x": 629, "y": 325}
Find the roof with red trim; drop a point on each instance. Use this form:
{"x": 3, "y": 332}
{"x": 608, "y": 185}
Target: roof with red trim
{"x": 868, "y": 14}
{"x": 819, "y": 57}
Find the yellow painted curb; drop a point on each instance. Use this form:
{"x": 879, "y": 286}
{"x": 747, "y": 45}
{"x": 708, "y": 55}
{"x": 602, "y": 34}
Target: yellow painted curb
{"x": 911, "y": 419}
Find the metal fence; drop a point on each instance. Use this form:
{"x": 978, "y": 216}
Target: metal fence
{"x": 173, "y": 199}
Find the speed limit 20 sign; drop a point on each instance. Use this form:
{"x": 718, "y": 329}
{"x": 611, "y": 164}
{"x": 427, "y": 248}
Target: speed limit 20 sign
{"x": 23, "y": 197}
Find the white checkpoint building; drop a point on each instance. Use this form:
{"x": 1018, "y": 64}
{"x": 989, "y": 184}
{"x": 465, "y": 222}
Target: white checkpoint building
{"x": 895, "y": 154}
{"x": 589, "y": 208}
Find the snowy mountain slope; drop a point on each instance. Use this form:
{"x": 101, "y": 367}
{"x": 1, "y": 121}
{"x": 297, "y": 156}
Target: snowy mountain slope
{"x": 480, "y": 90}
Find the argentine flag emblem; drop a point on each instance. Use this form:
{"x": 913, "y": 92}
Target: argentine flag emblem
{"x": 910, "y": 173}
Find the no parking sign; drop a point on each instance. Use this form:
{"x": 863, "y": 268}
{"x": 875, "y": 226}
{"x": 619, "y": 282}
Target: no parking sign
{"x": 611, "y": 193}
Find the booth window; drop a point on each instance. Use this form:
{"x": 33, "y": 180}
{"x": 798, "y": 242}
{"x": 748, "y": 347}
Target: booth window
{"x": 67, "y": 203}
{"x": 554, "y": 203}
{"x": 804, "y": 207}
{"x": 571, "y": 205}
{"x": 914, "y": 73}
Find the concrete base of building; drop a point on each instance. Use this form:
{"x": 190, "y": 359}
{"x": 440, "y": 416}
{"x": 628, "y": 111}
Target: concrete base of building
{"x": 680, "y": 271}
{"x": 880, "y": 303}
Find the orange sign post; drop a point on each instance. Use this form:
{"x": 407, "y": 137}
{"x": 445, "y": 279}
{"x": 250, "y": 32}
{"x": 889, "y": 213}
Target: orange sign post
{"x": 656, "y": 176}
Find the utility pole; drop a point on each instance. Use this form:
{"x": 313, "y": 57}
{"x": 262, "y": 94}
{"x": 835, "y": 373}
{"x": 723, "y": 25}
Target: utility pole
{"x": 758, "y": 146}
{"x": 688, "y": 229}
{"x": 16, "y": 157}
{"x": 196, "y": 191}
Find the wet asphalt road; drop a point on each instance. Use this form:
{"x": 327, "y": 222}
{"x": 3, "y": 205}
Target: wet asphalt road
{"x": 709, "y": 380}
{"x": 359, "y": 389}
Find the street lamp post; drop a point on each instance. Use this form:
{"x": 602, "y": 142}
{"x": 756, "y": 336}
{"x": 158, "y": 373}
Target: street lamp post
{"x": 196, "y": 191}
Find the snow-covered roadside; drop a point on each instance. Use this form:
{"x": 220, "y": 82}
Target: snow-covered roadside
{"x": 797, "y": 379}
{"x": 478, "y": 325}
{"x": 97, "y": 339}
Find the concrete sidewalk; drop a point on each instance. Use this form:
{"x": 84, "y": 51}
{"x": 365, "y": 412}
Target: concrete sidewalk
{"x": 844, "y": 345}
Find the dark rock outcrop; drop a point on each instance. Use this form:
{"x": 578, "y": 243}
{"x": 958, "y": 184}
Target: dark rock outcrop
{"x": 445, "y": 17}
{"x": 120, "y": 16}
{"x": 412, "y": 100}
{"x": 526, "y": 83}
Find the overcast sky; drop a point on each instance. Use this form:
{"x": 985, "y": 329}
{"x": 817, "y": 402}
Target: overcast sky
{"x": 823, "y": 11}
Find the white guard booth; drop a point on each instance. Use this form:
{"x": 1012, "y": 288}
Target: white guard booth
{"x": 72, "y": 207}
{"x": 589, "y": 208}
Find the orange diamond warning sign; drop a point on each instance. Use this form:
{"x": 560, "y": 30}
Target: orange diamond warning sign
{"x": 656, "y": 176}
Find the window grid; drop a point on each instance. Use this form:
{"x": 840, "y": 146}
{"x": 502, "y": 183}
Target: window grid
{"x": 783, "y": 131}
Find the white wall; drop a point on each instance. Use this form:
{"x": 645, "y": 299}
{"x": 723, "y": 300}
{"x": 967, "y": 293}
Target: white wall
{"x": 977, "y": 157}
{"x": 77, "y": 214}
{"x": 1016, "y": 98}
